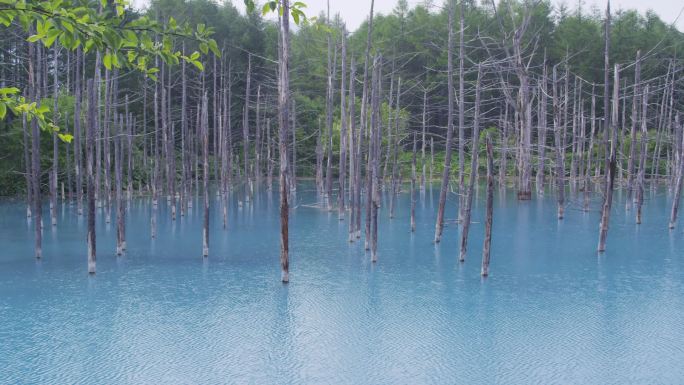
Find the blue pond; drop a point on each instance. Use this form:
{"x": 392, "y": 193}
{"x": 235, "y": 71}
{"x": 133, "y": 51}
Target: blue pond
{"x": 551, "y": 312}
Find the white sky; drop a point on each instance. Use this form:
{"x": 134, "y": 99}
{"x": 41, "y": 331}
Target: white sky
{"x": 354, "y": 12}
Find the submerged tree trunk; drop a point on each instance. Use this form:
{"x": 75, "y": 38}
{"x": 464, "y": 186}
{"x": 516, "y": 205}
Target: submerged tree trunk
{"x": 90, "y": 139}
{"x": 352, "y": 152}
{"x": 610, "y": 171}
{"x": 343, "y": 130}
{"x": 35, "y": 95}
{"x": 633, "y": 142}
{"x": 560, "y": 150}
{"x": 439, "y": 225}
{"x": 642, "y": 159}
{"x": 468, "y": 201}
{"x": 205, "y": 174}
{"x": 680, "y": 176}
{"x": 542, "y": 130}
{"x": 413, "y": 186}
{"x": 486, "y": 246}
{"x": 55, "y": 153}
{"x": 119, "y": 196}
{"x": 284, "y": 121}
{"x": 373, "y": 155}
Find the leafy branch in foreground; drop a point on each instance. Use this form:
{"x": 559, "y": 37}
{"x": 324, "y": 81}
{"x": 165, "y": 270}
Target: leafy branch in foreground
{"x": 127, "y": 40}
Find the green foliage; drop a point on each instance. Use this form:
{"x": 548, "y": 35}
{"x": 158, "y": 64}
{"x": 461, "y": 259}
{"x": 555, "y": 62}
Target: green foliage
{"x": 127, "y": 41}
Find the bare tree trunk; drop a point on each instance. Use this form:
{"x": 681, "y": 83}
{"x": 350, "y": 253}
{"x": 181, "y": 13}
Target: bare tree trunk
{"x": 364, "y": 127}
{"x": 395, "y": 144}
{"x": 642, "y": 162}
{"x": 439, "y": 225}
{"x": 606, "y": 93}
{"x": 468, "y": 201}
{"x": 293, "y": 170}
{"x": 204, "y": 127}
{"x": 543, "y": 92}
{"x": 422, "y": 143}
{"x": 27, "y": 167}
{"x": 90, "y": 139}
{"x": 257, "y": 139}
{"x": 119, "y": 197}
{"x": 105, "y": 144}
{"x": 343, "y": 130}
{"x": 504, "y": 148}
{"x": 35, "y": 95}
{"x": 413, "y": 185}
{"x": 269, "y": 152}
{"x": 486, "y": 246}
{"x": 171, "y": 149}
{"x": 245, "y": 128}
{"x": 679, "y": 175}
{"x": 184, "y": 135}
{"x": 633, "y": 142}
{"x": 352, "y": 152}
{"x": 560, "y": 150}
{"x": 55, "y": 153}
{"x": 329, "y": 123}
{"x": 587, "y": 182}
{"x": 610, "y": 172}
{"x": 284, "y": 121}
{"x": 373, "y": 155}
{"x": 461, "y": 105}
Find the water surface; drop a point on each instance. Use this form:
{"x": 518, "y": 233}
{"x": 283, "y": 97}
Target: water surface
{"x": 551, "y": 312}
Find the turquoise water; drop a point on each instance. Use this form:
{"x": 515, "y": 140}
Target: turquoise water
{"x": 551, "y": 312}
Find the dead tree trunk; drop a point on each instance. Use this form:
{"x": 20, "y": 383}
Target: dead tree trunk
{"x": 489, "y": 211}
{"x": 352, "y": 153}
{"x": 422, "y": 142}
{"x": 461, "y": 105}
{"x": 55, "y": 153}
{"x": 204, "y": 128}
{"x": 439, "y": 225}
{"x": 543, "y": 92}
{"x": 35, "y": 95}
{"x": 284, "y": 121}
{"x": 364, "y": 125}
{"x": 118, "y": 194}
{"x": 679, "y": 177}
{"x": 642, "y": 161}
{"x": 329, "y": 124}
{"x": 560, "y": 150}
{"x": 394, "y": 143}
{"x": 90, "y": 141}
{"x": 413, "y": 186}
{"x": 373, "y": 156}
{"x": 610, "y": 172}
{"x": 343, "y": 130}
{"x": 633, "y": 142}
{"x": 468, "y": 201}
{"x": 245, "y": 128}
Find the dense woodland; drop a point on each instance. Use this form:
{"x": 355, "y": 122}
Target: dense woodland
{"x": 571, "y": 103}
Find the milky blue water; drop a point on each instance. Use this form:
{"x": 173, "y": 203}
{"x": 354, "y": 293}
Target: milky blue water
{"x": 551, "y": 312}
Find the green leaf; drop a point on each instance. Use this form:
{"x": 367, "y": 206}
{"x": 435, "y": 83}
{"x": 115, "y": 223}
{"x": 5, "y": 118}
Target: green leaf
{"x": 198, "y": 64}
{"x": 214, "y": 47}
{"x": 3, "y": 110}
{"x": 52, "y": 36}
{"x": 204, "y": 47}
{"x": 107, "y": 61}
{"x": 67, "y": 138}
{"x": 9, "y": 91}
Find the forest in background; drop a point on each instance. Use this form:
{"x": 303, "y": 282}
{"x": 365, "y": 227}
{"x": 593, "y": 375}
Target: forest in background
{"x": 413, "y": 43}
